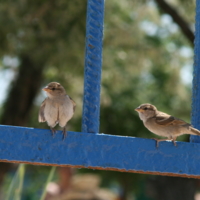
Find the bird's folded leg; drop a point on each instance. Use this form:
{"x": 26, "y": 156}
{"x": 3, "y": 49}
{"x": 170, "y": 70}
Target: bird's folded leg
{"x": 174, "y": 141}
{"x": 53, "y": 131}
{"x": 64, "y": 132}
{"x": 159, "y": 140}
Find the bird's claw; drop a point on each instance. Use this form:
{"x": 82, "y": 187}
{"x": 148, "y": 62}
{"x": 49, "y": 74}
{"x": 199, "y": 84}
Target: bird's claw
{"x": 157, "y": 142}
{"x": 174, "y": 143}
{"x": 53, "y": 131}
{"x": 64, "y": 134}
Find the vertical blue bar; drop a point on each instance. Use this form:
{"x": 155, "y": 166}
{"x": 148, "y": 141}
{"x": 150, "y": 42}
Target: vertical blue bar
{"x": 93, "y": 65}
{"x": 196, "y": 77}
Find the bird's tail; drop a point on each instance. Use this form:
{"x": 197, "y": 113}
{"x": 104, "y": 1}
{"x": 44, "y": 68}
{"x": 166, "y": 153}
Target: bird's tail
{"x": 194, "y": 131}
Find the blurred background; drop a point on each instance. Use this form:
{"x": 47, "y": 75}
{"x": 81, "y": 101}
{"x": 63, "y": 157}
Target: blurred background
{"x": 147, "y": 57}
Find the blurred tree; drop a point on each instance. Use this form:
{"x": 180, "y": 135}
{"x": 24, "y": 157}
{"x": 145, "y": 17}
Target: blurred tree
{"x": 180, "y": 21}
{"x": 43, "y": 36}
{"x": 40, "y": 35}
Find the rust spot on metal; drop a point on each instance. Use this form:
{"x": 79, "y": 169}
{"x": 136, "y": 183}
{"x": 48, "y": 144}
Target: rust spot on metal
{"x": 109, "y": 169}
{"x": 91, "y": 46}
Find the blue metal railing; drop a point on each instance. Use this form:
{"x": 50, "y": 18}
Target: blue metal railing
{"x": 98, "y": 151}
{"x": 196, "y": 77}
{"x": 93, "y": 65}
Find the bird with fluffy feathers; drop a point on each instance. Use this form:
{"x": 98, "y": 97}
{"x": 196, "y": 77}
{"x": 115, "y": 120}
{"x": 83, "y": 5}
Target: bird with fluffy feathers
{"x": 57, "y": 108}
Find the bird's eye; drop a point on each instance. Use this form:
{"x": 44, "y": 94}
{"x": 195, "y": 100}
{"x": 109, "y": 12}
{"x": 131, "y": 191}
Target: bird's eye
{"x": 53, "y": 89}
{"x": 145, "y": 108}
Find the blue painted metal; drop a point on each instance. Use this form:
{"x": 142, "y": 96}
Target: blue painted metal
{"x": 98, "y": 151}
{"x": 196, "y": 77}
{"x": 93, "y": 63}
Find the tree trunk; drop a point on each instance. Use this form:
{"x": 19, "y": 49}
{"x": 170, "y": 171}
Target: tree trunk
{"x": 22, "y": 93}
{"x": 178, "y": 19}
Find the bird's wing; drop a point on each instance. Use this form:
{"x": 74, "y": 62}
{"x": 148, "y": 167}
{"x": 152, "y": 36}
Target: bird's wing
{"x": 73, "y": 102}
{"x": 165, "y": 119}
{"x": 41, "y": 117}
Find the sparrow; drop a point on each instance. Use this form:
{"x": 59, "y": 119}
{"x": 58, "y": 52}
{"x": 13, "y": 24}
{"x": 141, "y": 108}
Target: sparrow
{"x": 57, "y": 108}
{"x": 164, "y": 125}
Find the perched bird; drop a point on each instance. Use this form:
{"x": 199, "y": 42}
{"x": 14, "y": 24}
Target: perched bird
{"x": 57, "y": 108}
{"x": 164, "y": 125}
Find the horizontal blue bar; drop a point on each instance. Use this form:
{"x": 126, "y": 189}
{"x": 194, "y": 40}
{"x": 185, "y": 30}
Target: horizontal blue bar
{"x": 98, "y": 151}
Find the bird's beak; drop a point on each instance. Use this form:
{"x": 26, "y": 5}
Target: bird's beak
{"x": 138, "y": 109}
{"x": 46, "y": 89}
